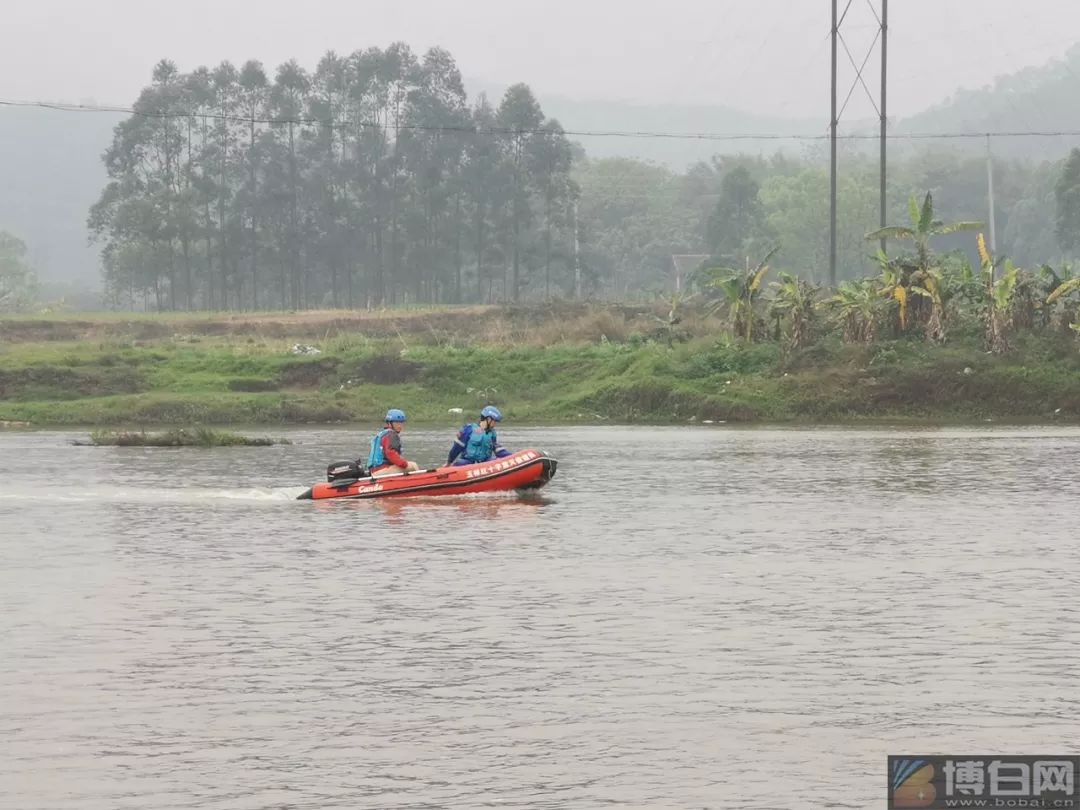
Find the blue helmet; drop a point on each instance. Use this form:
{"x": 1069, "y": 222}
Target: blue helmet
{"x": 491, "y": 412}
{"x": 395, "y": 415}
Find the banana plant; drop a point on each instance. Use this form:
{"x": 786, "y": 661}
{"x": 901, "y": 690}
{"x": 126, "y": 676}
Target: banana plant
{"x": 893, "y": 287}
{"x": 739, "y": 291}
{"x": 675, "y": 303}
{"x": 931, "y": 285}
{"x": 794, "y": 301}
{"x": 922, "y": 229}
{"x": 1061, "y": 291}
{"x": 963, "y": 285}
{"x": 999, "y": 295}
{"x": 898, "y": 280}
{"x": 1025, "y": 303}
{"x": 856, "y": 306}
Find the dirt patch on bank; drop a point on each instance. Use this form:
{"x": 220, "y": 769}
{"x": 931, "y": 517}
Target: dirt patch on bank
{"x": 541, "y": 323}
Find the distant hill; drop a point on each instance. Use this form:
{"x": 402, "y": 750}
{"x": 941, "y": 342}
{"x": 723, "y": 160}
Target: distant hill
{"x": 622, "y": 116}
{"x": 1033, "y": 99}
{"x": 50, "y": 174}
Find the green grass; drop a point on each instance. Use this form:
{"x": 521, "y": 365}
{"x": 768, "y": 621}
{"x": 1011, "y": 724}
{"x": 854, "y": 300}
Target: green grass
{"x": 125, "y": 380}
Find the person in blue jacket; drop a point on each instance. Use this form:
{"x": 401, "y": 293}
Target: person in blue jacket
{"x": 478, "y": 442}
{"x": 385, "y": 456}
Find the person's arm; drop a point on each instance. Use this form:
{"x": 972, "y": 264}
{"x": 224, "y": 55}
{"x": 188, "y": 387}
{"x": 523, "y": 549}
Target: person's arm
{"x": 391, "y": 445}
{"x": 458, "y": 447}
{"x": 500, "y": 451}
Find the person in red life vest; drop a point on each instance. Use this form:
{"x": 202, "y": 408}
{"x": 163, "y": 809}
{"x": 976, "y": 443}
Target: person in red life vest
{"x": 385, "y": 457}
{"x": 478, "y": 442}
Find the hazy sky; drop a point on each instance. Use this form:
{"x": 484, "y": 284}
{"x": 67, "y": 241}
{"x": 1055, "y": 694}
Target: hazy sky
{"x": 768, "y": 56}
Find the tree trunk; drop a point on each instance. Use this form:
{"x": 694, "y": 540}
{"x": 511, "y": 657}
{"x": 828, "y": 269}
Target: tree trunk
{"x": 172, "y": 276}
{"x": 209, "y": 239}
{"x": 457, "y": 251}
{"x": 380, "y": 253}
{"x": 997, "y": 340}
{"x": 223, "y": 239}
{"x": 380, "y": 271}
{"x": 349, "y": 272}
{"x": 395, "y": 258}
{"x": 284, "y": 279}
{"x": 547, "y": 249}
{"x": 517, "y": 257}
{"x": 171, "y": 181}
{"x": 294, "y": 225}
{"x": 185, "y": 246}
{"x": 935, "y": 325}
{"x": 480, "y": 254}
{"x": 429, "y": 217}
{"x": 208, "y": 233}
{"x": 331, "y": 215}
{"x": 251, "y": 203}
{"x": 157, "y": 281}
{"x": 185, "y": 236}
{"x": 577, "y": 257}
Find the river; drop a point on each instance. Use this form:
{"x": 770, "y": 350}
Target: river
{"x": 687, "y": 618}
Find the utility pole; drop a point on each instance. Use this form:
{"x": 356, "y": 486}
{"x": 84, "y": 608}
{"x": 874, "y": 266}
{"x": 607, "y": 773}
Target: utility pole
{"x": 832, "y": 161}
{"x": 838, "y": 40}
{"x": 990, "y": 193}
{"x": 884, "y": 119}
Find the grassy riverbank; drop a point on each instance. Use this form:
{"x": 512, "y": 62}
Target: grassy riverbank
{"x": 570, "y": 364}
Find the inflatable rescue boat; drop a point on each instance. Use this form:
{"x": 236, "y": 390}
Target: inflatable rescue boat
{"x": 524, "y": 470}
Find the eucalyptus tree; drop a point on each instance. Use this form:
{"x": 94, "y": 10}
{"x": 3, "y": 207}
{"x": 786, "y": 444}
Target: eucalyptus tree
{"x": 519, "y": 116}
{"x": 255, "y": 95}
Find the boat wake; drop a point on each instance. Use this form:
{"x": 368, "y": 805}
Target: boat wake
{"x": 106, "y": 494}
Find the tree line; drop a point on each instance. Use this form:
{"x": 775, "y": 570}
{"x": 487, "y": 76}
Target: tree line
{"x": 735, "y": 208}
{"x": 373, "y": 180}
{"x": 368, "y": 181}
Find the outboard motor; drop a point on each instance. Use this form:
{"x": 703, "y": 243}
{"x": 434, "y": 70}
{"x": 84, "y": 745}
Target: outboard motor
{"x": 341, "y": 471}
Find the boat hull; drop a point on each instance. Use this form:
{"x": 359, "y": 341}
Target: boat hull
{"x": 524, "y": 470}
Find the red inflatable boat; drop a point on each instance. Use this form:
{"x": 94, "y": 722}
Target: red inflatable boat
{"x": 524, "y": 470}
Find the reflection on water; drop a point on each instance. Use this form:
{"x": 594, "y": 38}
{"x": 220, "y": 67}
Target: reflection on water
{"x": 487, "y": 506}
{"x": 683, "y": 618}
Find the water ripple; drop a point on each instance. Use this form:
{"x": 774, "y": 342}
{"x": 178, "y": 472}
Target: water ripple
{"x": 687, "y": 618}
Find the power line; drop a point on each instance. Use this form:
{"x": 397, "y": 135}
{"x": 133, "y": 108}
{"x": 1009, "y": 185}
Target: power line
{"x": 472, "y": 130}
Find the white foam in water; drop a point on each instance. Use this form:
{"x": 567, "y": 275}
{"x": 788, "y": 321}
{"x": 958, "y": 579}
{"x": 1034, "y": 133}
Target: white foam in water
{"x": 281, "y": 494}
{"x": 155, "y": 495}
{"x": 116, "y": 494}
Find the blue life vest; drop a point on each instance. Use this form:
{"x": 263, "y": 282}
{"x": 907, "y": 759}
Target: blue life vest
{"x": 376, "y": 457}
{"x": 480, "y": 446}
